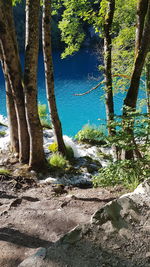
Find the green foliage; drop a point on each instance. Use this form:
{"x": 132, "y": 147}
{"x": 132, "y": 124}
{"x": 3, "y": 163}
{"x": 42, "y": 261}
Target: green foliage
{"x": 2, "y": 133}
{"x": 44, "y": 116}
{"x": 123, "y": 140}
{"x": 128, "y": 173}
{"x": 53, "y": 147}
{"x": 69, "y": 151}
{"x": 4, "y": 172}
{"x": 91, "y": 134}
{"x": 58, "y": 161}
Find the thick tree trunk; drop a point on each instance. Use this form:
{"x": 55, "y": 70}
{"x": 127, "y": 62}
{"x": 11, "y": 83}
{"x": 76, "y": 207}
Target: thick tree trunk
{"x": 49, "y": 75}
{"x": 11, "y": 112}
{"x": 108, "y": 66}
{"x": 132, "y": 94}
{"x": 13, "y": 68}
{"x": 37, "y": 158}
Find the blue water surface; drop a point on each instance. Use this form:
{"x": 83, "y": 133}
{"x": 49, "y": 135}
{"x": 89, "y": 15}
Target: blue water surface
{"x": 73, "y": 75}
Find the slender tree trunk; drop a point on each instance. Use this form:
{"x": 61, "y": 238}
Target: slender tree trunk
{"x": 108, "y": 66}
{"x": 132, "y": 94}
{"x": 141, "y": 13}
{"x": 10, "y": 53}
{"x": 37, "y": 158}
{"x": 148, "y": 83}
{"x": 49, "y": 75}
{"x": 11, "y": 112}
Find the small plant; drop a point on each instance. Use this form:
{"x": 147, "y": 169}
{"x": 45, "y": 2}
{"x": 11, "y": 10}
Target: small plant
{"x": 4, "y": 172}
{"x": 2, "y": 133}
{"x": 57, "y": 160}
{"x": 91, "y": 134}
{"x": 44, "y": 116}
{"x": 53, "y": 147}
{"x": 128, "y": 173}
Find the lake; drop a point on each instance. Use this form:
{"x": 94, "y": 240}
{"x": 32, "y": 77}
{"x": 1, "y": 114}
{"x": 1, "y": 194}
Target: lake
{"x": 76, "y": 74}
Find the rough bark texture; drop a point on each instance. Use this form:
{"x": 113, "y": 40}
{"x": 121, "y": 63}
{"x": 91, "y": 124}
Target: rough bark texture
{"x": 108, "y": 66}
{"x": 148, "y": 84}
{"x": 13, "y": 68}
{"x": 141, "y": 12}
{"x": 37, "y": 158}
{"x": 132, "y": 94}
{"x": 11, "y": 112}
{"x": 49, "y": 75}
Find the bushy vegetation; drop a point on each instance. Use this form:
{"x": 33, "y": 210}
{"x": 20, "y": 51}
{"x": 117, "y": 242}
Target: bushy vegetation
{"x": 58, "y": 161}
{"x": 128, "y": 173}
{"x": 44, "y": 116}
{"x": 54, "y": 148}
{"x": 91, "y": 134}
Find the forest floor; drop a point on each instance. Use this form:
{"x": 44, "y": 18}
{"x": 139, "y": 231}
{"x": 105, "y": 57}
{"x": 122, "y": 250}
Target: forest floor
{"x": 33, "y": 216}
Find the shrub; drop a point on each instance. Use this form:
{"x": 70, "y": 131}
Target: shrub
{"x": 53, "y": 147}
{"x": 44, "y": 116}
{"x": 57, "y": 160}
{"x": 91, "y": 134}
{"x": 128, "y": 173}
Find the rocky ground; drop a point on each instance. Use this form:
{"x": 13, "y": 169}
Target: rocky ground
{"x": 35, "y": 217}
{"x": 36, "y": 221}
{"x": 118, "y": 235}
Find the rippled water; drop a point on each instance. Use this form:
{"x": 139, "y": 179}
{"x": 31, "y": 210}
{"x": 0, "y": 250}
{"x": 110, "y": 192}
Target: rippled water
{"x": 73, "y": 75}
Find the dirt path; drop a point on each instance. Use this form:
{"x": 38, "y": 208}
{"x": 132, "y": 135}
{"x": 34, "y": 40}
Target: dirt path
{"x": 36, "y": 217}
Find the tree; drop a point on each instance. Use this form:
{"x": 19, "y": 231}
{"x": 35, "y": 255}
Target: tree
{"x": 12, "y": 118}
{"x": 100, "y": 15}
{"x": 11, "y": 59}
{"x": 49, "y": 75}
{"x": 142, "y": 48}
{"x": 36, "y": 157}
{"x": 108, "y": 65}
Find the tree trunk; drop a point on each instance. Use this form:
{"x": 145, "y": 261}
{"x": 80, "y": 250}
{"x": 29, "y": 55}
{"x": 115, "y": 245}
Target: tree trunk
{"x": 132, "y": 94}
{"x": 141, "y": 13}
{"x": 11, "y": 112}
{"x": 10, "y": 53}
{"x": 37, "y": 158}
{"x": 49, "y": 75}
{"x": 108, "y": 66}
{"x": 148, "y": 83}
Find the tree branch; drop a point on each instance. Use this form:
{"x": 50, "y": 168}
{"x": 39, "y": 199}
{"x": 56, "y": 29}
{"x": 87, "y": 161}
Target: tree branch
{"x": 92, "y": 89}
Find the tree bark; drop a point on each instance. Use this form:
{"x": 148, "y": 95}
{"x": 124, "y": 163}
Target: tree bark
{"x": 141, "y": 13}
{"x": 132, "y": 94}
{"x": 49, "y": 75}
{"x": 11, "y": 112}
{"x": 108, "y": 66}
{"x": 10, "y": 53}
{"x": 37, "y": 158}
{"x": 148, "y": 83}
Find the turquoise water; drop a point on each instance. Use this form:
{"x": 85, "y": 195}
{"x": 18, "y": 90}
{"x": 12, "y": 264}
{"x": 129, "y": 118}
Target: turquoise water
{"x": 73, "y": 75}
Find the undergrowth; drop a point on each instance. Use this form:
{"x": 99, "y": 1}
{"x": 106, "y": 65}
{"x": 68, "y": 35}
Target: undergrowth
{"x": 91, "y": 134}
{"x": 128, "y": 173}
{"x": 58, "y": 161}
